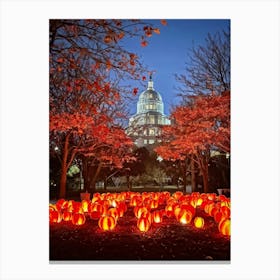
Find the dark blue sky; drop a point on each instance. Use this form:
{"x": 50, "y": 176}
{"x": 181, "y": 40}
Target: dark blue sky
{"x": 167, "y": 53}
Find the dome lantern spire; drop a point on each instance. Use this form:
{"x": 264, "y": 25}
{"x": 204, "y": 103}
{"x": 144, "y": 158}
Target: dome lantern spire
{"x": 151, "y": 83}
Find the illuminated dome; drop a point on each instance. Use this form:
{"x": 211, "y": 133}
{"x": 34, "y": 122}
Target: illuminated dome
{"x": 145, "y": 126}
{"x": 150, "y": 100}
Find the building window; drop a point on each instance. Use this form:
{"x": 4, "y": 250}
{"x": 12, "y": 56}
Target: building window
{"x": 145, "y": 141}
{"x": 150, "y": 107}
{"x": 151, "y": 131}
{"x": 151, "y": 119}
{"x": 151, "y": 141}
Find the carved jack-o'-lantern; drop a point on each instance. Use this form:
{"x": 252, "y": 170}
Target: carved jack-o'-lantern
{"x": 107, "y": 223}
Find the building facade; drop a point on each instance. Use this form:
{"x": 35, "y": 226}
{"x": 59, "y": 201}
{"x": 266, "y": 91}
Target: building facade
{"x": 145, "y": 126}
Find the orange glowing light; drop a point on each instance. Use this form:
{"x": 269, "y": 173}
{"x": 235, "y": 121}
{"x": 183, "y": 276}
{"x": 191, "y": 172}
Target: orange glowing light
{"x": 143, "y": 224}
{"x": 107, "y": 223}
{"x": 224, "y": 226}
{"x": 184, "y": 216}
{"x": 78, "y": 219}
{"x": 198, "y": 222}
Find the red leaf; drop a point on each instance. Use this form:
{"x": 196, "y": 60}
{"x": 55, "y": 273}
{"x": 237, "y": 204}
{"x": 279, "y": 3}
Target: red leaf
{"x": 144, "y": 43}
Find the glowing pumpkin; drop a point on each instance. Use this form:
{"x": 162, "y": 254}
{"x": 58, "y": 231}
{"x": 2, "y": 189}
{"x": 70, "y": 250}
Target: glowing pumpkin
{"x": 225, "y": 211}
{"x": 85, "y": 205}
{"x": 52, "y": 207}
{"x": 107, "y": 223}
{"x": 78, "y": 219}
{"x": 189, "y": 208}
{"x": 208, "y": 207}
{"x": 184, "y": 216}
{"x": 121, "y": 208}
{"x": 199, "y": 201}
{"x": 77, "y": 207}
{"x": 135, "y": 201}
{"x": 211, "y": 196}
{"x": 138, "y": 210}
{"x": 55, "y": 216}
{"x": 154, "y": 204}
{"x": 169, "y": 210}
{"x": 67, "y": 216}
{"x": 177, "y": 195}
{"x": 113, "y": 212}
{"x": 218, "y": 216}
{"x": 157, "y": 216}
{"x": 96, "y": 210}
{"x": 59, "y": 204}
{"x": 224, "y": 226}
{"x": 143, "y": 224}
{"x": 198, "y": 222}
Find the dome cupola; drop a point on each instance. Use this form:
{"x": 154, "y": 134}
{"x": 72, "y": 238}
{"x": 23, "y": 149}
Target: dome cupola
{"x": 150, "y": 100}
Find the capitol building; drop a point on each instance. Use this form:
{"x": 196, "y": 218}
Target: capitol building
{"x": 145, "y": 126}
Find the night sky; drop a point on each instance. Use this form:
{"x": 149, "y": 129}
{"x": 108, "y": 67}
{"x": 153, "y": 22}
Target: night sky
{"x": 167, "y": 53}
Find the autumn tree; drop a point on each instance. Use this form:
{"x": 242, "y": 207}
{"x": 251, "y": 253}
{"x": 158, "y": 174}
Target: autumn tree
{"x": 87, "y": 64}
{"x": 202, "y": 121}
{"x": 208, "y": 67}
{"x": 198, "y": 128}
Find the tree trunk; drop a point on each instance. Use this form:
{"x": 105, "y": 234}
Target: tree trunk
{"x": 63, "y": 177}
{"x": 128, "y": 182}
{"x": 93, "y": 180}
{"x": 183, "y": 168}
{"x": 193, "y": 175}
{"x": 205, "y": 180}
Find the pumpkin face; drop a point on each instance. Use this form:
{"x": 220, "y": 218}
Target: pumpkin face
{"x": 107, "y": 223}
{"x": 198, "y": 222}
{"x": 143, "y": 224}
{"x": 78, "y": 219}
{"x": 224, "y": 226}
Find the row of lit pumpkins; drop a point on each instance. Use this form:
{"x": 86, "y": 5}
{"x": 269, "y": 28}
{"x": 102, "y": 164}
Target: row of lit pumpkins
{"x": 109, "y": 207}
